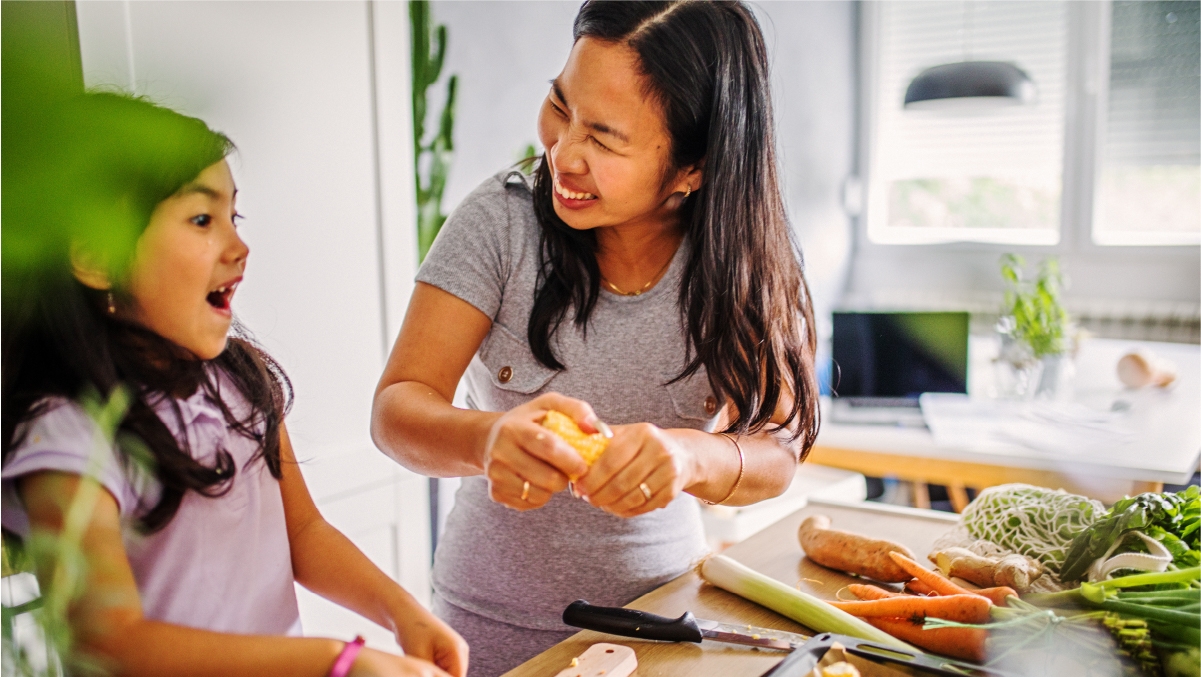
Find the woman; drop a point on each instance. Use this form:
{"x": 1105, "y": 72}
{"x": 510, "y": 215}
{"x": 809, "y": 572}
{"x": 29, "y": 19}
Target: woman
{"x": 647, "y": 273}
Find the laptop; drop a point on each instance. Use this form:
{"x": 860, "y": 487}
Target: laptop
{"x": 884, "y": 361}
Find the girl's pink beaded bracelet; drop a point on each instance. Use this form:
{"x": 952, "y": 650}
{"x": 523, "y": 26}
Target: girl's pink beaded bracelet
{"x": 346, "y": 658}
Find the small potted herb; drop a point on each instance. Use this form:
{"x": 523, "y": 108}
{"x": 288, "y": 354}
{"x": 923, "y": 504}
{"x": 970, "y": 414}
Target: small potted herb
{"x": 1035, "y": 331}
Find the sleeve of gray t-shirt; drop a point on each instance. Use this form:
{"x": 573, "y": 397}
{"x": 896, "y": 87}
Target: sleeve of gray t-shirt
{"x": 471, "y": 256}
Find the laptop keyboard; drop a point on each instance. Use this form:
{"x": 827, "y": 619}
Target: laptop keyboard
{"x": 878, "y": 402}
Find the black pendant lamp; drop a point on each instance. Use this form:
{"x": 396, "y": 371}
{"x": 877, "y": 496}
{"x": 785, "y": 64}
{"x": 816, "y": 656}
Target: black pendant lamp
{"x": 970, "y": 84}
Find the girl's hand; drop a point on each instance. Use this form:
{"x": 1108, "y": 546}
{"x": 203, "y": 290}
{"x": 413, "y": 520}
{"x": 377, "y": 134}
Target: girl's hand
{"x": 639, "y": 454}
{"x": 423, "y": 635}
{"x": 372, "y": 663}
{"x": 520, "y": 450}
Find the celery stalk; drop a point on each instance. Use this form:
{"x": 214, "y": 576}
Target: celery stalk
{"x": 805, "y": 609}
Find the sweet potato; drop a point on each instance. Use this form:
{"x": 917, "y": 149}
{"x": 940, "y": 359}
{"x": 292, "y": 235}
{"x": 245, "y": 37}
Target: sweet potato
{"x": 849, "y": 552}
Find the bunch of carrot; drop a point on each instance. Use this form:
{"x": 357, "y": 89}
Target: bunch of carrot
{"x": 904, "y": 615}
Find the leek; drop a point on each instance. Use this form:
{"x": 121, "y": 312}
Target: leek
{"x": 803, "y": 608}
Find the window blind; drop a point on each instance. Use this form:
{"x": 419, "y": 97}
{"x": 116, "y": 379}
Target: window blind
{"x": 989, "y": 175}
{"x": 1149, "y": 188}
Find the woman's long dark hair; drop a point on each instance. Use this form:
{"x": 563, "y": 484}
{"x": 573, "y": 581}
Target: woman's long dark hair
{"x": 743, "y": 297}
{"x": 114, "y": 158}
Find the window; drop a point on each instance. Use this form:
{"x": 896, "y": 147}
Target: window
{"x": 1148, "y": 188}
{"x": 997, "y": 174}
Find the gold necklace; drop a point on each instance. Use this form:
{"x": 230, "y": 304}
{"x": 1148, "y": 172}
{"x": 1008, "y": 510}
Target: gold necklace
{"x": 646, "y": 286}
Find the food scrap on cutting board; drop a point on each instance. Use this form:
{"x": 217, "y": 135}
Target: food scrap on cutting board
{"x": 602, "y": 660}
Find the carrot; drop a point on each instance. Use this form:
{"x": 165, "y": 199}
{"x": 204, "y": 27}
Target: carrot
{"x": 999, "y": 595}
{"x": 917, "y": 587}
{"x": 871, "y": 592}
{"x": 936, "y": 582}
{"x": 964, "y": 643}
{"x": 959, "y": 608}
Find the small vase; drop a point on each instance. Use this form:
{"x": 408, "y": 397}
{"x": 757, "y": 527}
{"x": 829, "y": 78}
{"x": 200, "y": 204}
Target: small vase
{"x": 1057, "y": 379}
{"x": 1017, "y": 372}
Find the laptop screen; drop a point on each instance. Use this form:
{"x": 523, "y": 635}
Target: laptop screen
{"x": 899, "y": 354}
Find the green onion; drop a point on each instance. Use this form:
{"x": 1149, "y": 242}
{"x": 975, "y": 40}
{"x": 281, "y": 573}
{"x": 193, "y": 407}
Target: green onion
{"x": 803, "y": 608}
{"x": 1158, "y": 596}
{"x": 1190, "y": 635}
{"x": 1158, "y": 578}
{"x": 1150, "y": 612}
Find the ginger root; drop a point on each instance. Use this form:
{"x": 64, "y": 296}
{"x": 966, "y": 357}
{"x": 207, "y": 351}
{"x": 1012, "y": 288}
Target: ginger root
{"x": 1014, "y": 570}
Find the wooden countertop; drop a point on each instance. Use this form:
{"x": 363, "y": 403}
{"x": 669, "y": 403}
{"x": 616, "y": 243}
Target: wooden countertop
{"x": 774, "y": 552}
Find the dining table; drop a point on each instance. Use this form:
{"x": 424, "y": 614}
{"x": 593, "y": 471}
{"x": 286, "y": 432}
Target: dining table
{"x": 1156, "y": 436}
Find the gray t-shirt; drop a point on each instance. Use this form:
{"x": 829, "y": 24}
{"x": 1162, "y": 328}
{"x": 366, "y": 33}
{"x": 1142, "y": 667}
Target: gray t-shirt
{"x": 523, "y": 568}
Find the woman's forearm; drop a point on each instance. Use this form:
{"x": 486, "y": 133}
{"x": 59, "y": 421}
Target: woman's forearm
{"x": 422, "y": 431}
{"x": 768, "y": 467}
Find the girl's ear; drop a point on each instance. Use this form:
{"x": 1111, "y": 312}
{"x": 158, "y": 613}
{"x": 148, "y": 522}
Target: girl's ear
{"x": 89, "y": 269}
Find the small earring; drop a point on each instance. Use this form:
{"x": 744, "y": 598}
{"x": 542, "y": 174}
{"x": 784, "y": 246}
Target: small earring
{"x": 687, "y": 191}
{"x": 112, "y": 307}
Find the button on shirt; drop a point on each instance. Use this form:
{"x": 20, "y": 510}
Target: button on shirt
{"x": 220, "y": 564}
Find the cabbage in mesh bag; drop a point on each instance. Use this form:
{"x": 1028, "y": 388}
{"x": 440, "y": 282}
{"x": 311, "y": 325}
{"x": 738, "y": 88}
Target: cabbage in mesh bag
{"x": 1034, "y": 521}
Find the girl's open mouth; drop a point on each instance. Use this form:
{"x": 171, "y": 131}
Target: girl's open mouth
{"x": 220, "y": 297}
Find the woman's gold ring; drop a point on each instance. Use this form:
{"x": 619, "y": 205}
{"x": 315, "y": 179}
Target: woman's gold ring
{"x": 646, "y": 491}
{"x": 525, "y": 491}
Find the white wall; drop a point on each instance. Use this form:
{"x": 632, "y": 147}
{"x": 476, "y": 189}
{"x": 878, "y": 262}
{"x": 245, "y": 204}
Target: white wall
{"x": 306, "y": 91}
{"x": 505, "y": 53}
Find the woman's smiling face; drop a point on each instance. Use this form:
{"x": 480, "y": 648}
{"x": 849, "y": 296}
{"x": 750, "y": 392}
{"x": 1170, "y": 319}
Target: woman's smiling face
{"x": 188, "y": 263}
{"x": 606, "y": 141}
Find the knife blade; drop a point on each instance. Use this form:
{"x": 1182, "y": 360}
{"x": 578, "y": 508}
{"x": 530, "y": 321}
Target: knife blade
{"x": 688, "y": 628}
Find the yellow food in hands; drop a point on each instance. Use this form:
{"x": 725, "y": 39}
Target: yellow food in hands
{"x": 590, "y": 447}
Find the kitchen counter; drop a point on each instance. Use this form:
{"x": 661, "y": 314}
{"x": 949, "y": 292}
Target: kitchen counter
{"x": 774, "y": 552}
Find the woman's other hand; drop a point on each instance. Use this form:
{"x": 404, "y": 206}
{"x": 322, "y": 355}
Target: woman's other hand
{"x": 423, "y": 635}
{"x": 641, "y": 459}
{"x": 372, "y": 663}
{"x": 520, "y": 450}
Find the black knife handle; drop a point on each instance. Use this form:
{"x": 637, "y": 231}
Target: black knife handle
{"x": 632, "y": 623}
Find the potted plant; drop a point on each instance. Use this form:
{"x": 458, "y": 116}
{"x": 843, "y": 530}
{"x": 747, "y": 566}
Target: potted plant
{"x": 1035, "y": 331}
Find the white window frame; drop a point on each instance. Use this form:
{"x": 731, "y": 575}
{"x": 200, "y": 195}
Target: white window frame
{"x": 1088, "y": 84}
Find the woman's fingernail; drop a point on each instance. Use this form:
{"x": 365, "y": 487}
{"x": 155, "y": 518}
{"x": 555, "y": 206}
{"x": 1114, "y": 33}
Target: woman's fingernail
{"x": 603, "y": 428}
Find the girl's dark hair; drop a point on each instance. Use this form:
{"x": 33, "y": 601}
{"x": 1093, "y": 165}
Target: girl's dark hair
{"x": 743, "y": 298}
{"x": 107, "y": 161}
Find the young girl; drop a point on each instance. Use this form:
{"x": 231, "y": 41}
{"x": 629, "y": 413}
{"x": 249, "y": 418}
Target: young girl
{"x": 121, "y": 276}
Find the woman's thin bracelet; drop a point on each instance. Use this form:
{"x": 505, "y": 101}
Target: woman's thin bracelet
{"x": 741, "y": 470}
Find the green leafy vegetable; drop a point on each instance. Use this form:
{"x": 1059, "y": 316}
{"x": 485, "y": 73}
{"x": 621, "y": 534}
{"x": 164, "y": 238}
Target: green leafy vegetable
{"x": 1171, "y": 519}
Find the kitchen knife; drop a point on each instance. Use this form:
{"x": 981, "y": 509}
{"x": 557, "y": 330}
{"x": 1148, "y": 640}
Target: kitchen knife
{"x": 688, "y": 628}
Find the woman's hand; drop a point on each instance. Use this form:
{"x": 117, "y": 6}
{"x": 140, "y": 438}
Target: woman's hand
{"x": 520, "y": 450}
{"x": 372, "y": 663}
{"x": 423, "y": 635}
{"x": 639, "y": 455}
